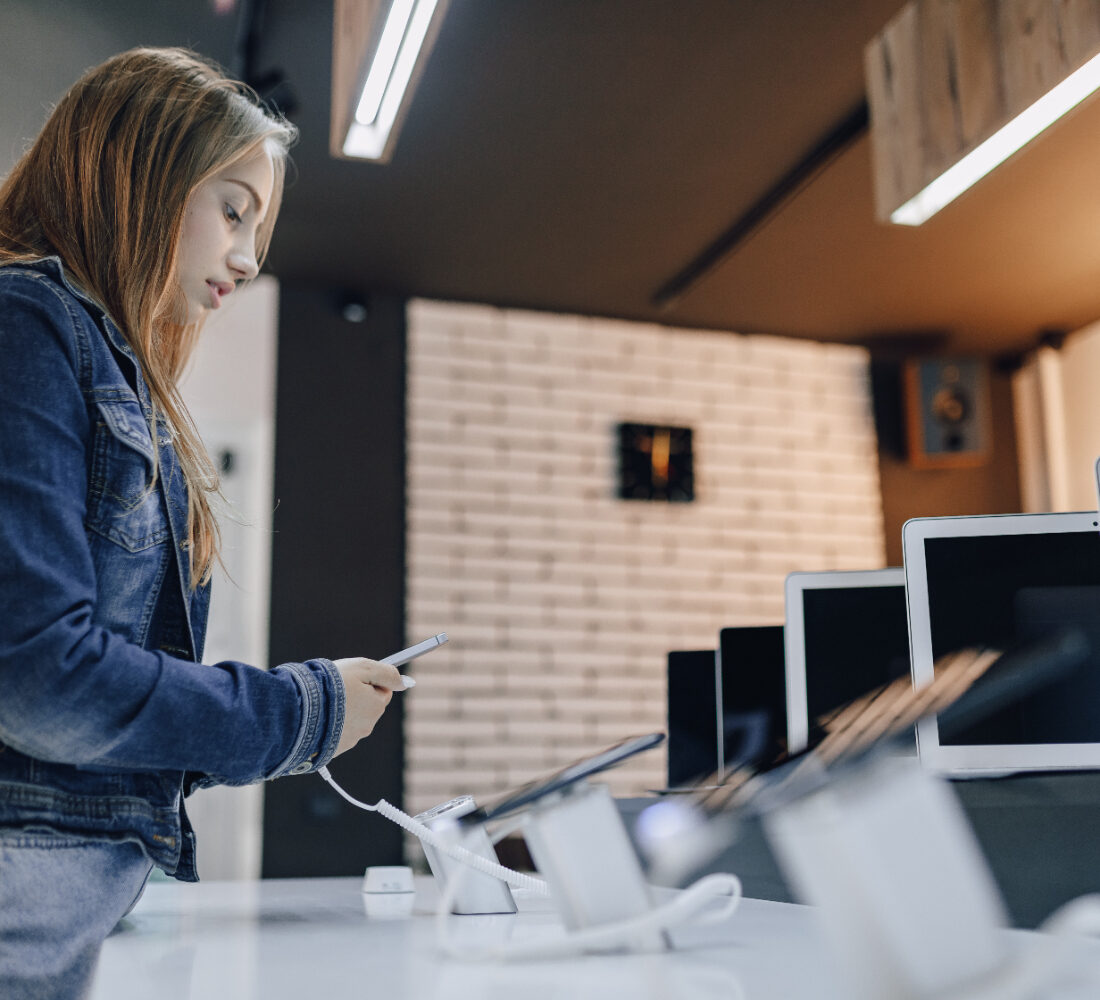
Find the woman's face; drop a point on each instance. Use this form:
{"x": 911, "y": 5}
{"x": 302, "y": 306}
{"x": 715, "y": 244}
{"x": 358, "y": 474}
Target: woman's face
{"x": 218, "y": 239}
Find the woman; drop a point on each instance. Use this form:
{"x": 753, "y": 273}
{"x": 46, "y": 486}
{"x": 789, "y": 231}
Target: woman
{"x": 149, "y": 196}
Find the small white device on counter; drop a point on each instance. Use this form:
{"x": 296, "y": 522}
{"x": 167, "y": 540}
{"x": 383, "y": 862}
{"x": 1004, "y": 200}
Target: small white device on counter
{"x": 388, "y": 892}
{"x": 388, "y": 879}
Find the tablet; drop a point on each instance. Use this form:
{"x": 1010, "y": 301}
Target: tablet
{"x": 752, "y": 691}
{"x": 845, "y": 635}
{"x": 1003, "y": 581}
{"x": 561, "y": 779}
{"x": 694, "y": 749}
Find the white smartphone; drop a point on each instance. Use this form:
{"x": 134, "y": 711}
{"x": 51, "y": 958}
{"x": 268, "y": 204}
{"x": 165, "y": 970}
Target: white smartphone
{"x": 397, "y": 659}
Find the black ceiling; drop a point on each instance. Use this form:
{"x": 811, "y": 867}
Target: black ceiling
{"x": 576, "y": 155}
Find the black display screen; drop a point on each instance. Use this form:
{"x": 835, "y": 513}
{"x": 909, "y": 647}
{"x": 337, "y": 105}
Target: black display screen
{"x": 754, "y": 693}
{"x": 856, "y": 639}
{"x": 1005, "y": 590}
{"x": 692, "y": 715}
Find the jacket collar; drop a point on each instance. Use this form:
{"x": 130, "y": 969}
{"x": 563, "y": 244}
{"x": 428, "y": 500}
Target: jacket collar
{"x": 54, "y": 267}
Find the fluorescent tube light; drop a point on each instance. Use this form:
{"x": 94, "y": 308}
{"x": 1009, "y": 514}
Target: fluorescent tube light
{"x": 381, "y": 67}
{"x": 1001, "y": 145}
{"x": 391, "y": 70}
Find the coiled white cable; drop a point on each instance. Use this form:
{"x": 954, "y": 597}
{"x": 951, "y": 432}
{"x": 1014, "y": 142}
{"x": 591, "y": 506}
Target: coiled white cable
{"x": 687, "y": 904}
{"x": 516, "y": 879}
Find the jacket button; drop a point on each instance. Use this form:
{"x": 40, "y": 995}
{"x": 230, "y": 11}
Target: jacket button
{"x": 300, "y": 768}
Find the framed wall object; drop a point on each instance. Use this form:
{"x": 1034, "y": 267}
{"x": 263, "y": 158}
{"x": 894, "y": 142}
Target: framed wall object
{"x": 947, "y": 413}
{"x": 655, "y": 463}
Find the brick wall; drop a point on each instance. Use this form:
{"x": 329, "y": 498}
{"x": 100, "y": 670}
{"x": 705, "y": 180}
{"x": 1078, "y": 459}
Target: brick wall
{"x": 562, "y": 601}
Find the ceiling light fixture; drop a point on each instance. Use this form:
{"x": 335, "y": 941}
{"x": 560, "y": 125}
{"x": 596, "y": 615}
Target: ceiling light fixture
{"x": 408, "y": 29}
{"x": 956, "y": 88}
{"x": 1000, "y": 146}
{"x": 385, "y": 56}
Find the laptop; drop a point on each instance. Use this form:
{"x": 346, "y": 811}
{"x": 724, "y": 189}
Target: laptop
{"x": 845, "y": 635}
{"x": 1003, "y": 582}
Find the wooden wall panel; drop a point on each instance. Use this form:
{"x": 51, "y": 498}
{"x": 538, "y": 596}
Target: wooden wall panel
{"x": 944, "y": 75}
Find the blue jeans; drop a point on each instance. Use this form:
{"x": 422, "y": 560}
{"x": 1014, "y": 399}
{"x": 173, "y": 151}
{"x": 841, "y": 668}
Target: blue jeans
{"x": 60, "y": 896}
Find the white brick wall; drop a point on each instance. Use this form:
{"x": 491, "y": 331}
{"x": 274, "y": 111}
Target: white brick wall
{"x": 562, "y": 601}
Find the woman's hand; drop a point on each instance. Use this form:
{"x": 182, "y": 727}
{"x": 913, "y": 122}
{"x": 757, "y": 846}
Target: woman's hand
{"x": 368, "y": 687}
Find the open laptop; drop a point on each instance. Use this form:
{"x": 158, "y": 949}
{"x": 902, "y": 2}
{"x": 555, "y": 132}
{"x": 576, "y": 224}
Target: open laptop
{"x": 1003, "y": 581}
{"x": 845, "y": 635}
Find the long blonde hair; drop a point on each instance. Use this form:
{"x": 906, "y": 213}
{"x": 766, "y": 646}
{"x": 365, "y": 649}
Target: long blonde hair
{"x": 104, "y": 187}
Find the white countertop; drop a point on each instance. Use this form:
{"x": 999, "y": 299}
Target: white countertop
{"x": 313, "y": 938}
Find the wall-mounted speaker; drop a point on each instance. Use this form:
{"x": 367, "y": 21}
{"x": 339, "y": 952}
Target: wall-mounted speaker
{"x": 947, "y": 412}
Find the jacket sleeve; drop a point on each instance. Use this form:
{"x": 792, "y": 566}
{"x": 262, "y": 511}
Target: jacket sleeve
{"x": 72, "y": 691}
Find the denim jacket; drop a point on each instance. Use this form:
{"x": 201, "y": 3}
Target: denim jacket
{"x": 107, "y": 715}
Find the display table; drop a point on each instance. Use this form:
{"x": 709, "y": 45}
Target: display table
{"x": 310, "y": 938}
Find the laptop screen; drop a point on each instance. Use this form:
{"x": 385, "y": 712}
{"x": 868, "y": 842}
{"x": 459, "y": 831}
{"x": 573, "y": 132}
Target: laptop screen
{"x": 1004, "y": 590}
{"x": 856, "y": 639}
{"x": 754, "y": 693}
{"x": 846, "y": 634}
{"x": 692, "y": 715}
